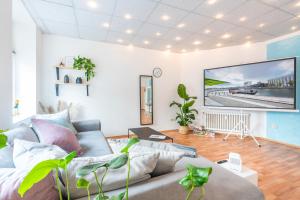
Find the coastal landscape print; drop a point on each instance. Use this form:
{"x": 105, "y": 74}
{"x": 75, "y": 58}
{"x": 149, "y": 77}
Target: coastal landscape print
{"x": 268, "y": 85}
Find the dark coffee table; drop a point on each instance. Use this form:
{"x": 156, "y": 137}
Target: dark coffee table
{"x": 144, "y": 133}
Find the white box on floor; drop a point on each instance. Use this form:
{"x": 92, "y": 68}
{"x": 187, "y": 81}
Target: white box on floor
{"x": 246, "y": 173}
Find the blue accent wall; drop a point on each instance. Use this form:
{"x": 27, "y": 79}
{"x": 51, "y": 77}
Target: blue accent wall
{"x": 285, "y": 127}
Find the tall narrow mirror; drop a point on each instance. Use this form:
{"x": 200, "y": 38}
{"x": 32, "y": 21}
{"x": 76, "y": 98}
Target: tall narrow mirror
{"x": 146, "y": 100}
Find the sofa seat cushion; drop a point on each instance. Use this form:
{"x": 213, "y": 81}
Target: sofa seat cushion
{"x": 93, "y": 143}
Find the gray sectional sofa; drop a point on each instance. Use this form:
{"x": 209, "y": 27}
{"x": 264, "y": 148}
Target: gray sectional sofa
{"x": 222, "y": 185}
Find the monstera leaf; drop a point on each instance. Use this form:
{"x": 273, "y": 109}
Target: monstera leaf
{"x": 181, "y": 90}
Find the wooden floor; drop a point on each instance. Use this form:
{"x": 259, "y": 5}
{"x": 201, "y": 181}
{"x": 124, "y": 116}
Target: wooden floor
{"x": 278, "y": 165}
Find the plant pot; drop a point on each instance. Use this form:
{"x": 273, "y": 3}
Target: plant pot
{"x": 184, "y": 130}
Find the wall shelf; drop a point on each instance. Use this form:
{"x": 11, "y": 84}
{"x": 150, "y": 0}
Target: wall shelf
{"x": 58, "y": 83}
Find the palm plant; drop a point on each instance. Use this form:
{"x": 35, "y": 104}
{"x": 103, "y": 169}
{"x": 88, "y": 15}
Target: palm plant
{"x": 186, "y": 115}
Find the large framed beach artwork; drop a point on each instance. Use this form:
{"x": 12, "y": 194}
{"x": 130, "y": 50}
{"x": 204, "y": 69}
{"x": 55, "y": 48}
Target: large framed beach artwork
{"x": 266, "y": 85}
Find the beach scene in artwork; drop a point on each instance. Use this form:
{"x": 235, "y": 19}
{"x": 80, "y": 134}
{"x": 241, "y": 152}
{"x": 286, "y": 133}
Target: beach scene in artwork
{"x": 261, "y": 85}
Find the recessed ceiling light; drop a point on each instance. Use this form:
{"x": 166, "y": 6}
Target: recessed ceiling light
{"x": 293, "y": 28}
{"x": 298, "y": 4}
{"x": 219, "y": 44}
{"x": 226, "y": 36}
{"x": 261, "y": 25}
{"x": 298, "y": 16}
{"x": 158, "y": 34}
{"x": 248, "y": 37}
{"x": 219, "y": 16}
{"x": 129, "y": 31}
{"x": 127, "y": 16}
{"x": 130, "y": 46}
{"x": 168, "y": 46}
{"x": 105, "y": 24}
{"x": 180, "y": 25}
{"x": 211, "y": 2}
{"x": 165, "y": 17}
{"x": 120, "y": 41}
{"x": 248, "y": 44}
{"x": 178, "y": 38}
{"x": 242, "y": 19}
{"x": 146, "y": 42}
{"x": 207, "y": 31}
{"x": 183, "y": 50}
{"x": 92, "y": 4}
{"x": 197, "y": 42}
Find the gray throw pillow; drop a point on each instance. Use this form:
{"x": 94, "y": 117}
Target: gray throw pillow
{"x": 142, "y": 164}
{"x": 167, "y": 158}
{"x": 6, "y": 157}
{"x": 22, "y": 132}
{"x": 28, "y": 154}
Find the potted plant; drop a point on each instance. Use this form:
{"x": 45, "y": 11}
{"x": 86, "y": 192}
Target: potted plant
{"x": 83, "y": 63}
{"x": 186, "y": 115}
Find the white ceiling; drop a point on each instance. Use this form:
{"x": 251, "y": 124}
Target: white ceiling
{"x": 75, "y": 18}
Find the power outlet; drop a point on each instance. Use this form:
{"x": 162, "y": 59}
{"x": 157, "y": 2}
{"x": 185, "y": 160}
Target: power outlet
{"x": 274, "y": 126}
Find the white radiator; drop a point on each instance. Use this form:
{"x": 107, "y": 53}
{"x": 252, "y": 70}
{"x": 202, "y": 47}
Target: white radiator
{"x": 227, "y": 122}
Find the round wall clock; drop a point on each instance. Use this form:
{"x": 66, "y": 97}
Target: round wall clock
{"x": 157, "y": 72}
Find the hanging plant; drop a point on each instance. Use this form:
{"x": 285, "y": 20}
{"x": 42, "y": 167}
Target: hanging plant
{"x": 83, "y": 63}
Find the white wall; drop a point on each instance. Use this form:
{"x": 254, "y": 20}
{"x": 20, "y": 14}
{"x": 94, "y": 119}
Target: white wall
{"x": 192, "y": 72}
{"x": 114, "y": 92}
{"x": 5, "y": 64}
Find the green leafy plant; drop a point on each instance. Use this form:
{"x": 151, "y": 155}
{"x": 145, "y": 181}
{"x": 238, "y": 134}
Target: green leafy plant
{"x": 115, "y": 163}
{"x": 83, "y": 63}
{"x": 186, "y": 115}
{"x": 42, "y": 169}
{"x": 3, "y": 139}
{"x": 196, "y": 177}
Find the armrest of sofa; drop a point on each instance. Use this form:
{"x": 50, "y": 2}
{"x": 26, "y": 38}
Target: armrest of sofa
{"x": 87, "y": 125}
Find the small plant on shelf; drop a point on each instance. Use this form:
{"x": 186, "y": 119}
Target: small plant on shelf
{"x": 83, "y": 63}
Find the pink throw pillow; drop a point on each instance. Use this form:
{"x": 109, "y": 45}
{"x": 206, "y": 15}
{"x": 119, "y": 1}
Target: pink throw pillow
{"x": 55, "y": 134}
{"x": 10, "y": 180}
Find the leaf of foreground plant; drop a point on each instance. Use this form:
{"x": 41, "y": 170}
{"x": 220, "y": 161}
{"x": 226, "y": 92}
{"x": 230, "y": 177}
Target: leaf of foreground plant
{"x": 199, "y": 176}
{"x": 118, "y": 162}
{"x": 131, "y": 142}
{"x": 85, "y": 170}
{"x": 37, "y": 173}
{"x": 119, "y": 197}
{"x": 82, "y": 183}
{"x": 99, "y": 197}
{"x": 3, "y": 140}
{"x": 186, "y": 182}
{"x": 67, "y": 159}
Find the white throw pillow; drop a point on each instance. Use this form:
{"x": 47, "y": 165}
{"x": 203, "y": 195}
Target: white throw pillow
{"x": 28, "y": 154}
{"x": 142, "y": 164}
{"x": 167, "y": 158}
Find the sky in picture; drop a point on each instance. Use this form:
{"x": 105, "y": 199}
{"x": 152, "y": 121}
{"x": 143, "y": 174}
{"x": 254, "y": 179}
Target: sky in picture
{"x": 259, "y": 72}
